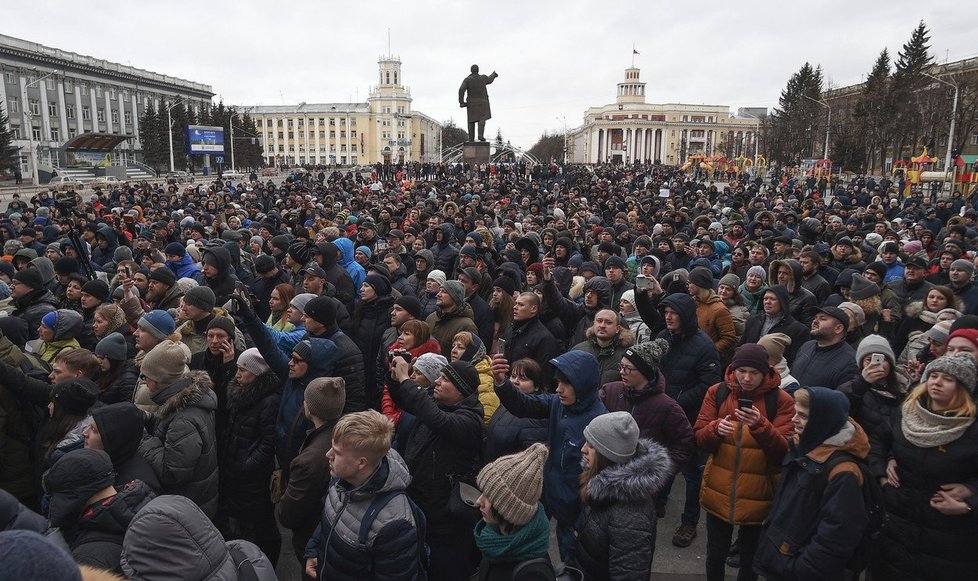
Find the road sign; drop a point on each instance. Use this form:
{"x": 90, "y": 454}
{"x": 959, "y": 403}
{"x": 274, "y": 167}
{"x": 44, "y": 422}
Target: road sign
{"x": 219, "y": 159}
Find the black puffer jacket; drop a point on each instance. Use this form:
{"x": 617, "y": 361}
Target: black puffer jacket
{"x": 225, "y": 283}
{"x": 370, "y": 320}
{"x": 97, "y": 540}
{"x": 801, "y": 301}
{"x": 121, "y": 427}
{"x": 182, "y": 445}
{"x": 798, "y": 332}
{"x": 338, "y": 276}
{"x": 530, "y": 339}
{"x": 247, "y": 457}
{"x": 32, "y": 307}
{"x": 349, "y": 366}
{"x": 445, "y": 251}
{"x": 507, "y": 434}
{"x": 616, "y": 531}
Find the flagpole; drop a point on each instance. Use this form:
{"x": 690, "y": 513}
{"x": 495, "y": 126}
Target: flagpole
{"x": 633, "y": 55}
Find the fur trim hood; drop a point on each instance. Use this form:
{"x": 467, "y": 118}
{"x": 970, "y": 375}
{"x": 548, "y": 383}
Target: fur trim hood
{"x": 194, "y": 390}
{"x": 638, "y": 480}
{"x": 245, "y": 396}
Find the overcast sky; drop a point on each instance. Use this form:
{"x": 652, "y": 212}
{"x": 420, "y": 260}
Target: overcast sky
{"x": 554, "y": 58}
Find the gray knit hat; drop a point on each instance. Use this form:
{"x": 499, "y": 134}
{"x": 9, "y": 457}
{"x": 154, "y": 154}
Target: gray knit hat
{"x": 939, "y": 332}
{"x": 614, "y": 436}
{"x": 959, "y": 365}
{"x": 701, "y": 277}
{"x": 112, "y": 346}
{"x": 874, "y": 344}
{"x": 513, "y": 484}
{"x": 455, "y": 290}
{"x": 430, "y": 365}
{"x": 201, "y": 297}
{"x": 437, "y": 276}
{"x": 730, "y": 279}
{"x": 758, "y": 270}
{"x": 962, "y": 264}
{"x": 646, "y": 356}
{"x": 325, "y": 397}
{"x": 300, "y": 300}
{"x": 252, "y": 360}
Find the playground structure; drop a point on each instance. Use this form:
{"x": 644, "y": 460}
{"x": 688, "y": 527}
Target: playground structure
{"x": 920, "y": 171}
{"x": 717, "y": 164}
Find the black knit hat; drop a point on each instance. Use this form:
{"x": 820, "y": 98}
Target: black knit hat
{"x": 66, "y": 265}
{"x": 463, "y": 376}
{"x": 163, "y": 275}
{"x": 321, "y": 310}
{"x": 30, "y": 277}
{"x": 222, "y": 323}
{"x": 201, "y": 297}
{"x": 411, "y": 304}
{"x": 97, "y": 288}
{"x": 264, "y": 263}
{"x": 75, "y": 396}
{"x": 701, "y": 277}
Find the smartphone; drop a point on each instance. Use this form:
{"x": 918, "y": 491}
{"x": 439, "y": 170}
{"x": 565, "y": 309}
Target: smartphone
{"x": 642, "y": 282}
{"x": 744, "y": 403}
{"x": 502, "y": 346}
{"x": 876, "y": 359}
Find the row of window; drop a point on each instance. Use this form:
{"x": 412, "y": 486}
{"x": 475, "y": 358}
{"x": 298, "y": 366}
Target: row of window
{"x": 322, "y": 148}
{"x": 50, "y": 84}
{"x": 322, "y": 135}
{"x": 273, "y": 123}
{"x": 34, "y": 108}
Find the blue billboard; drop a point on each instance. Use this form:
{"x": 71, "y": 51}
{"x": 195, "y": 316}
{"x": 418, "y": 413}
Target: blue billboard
{"x": 203, "y": 140}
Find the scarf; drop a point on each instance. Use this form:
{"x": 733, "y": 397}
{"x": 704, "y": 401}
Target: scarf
{"x": 925, "y": 429}
{"x": 530, "y": 541}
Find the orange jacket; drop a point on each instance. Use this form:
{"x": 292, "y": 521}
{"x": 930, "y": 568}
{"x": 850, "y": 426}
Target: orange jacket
{"x": 742, "y": 472}
{"x": 715, "y": 320}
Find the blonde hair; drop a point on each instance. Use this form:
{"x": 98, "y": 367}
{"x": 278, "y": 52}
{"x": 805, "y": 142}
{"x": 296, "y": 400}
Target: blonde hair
{"x": 368, "y": 433}
{"x": 962, "y": 405}
{"x": 803, "y": 398}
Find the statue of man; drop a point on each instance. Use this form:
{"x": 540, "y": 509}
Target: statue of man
{"x": 478, "y": 103}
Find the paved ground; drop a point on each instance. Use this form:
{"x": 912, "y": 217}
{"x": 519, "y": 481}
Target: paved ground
{"x": 670, "y": 563}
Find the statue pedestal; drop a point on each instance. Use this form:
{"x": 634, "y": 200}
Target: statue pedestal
{"x": 475, "y": 152}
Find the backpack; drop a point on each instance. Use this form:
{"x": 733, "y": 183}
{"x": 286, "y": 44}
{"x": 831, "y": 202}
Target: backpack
{"x": 420, "y": 525}
{"x": 770, "y": 400}
{"x": 872, "y": 538}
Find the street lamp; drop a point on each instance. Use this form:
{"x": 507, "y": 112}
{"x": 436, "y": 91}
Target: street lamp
{"x": 828, "y": 123}
{"x": 169, "y": 125}
{"x": 564, "y": 119}
{"x": 30, "y": 128}
{"x": 954, "y": 114}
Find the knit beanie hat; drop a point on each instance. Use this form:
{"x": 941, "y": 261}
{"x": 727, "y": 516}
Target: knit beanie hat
{"x": 224, "y": 323}
{"x": 66, "y": 265}
{"x": 854, "y": 311}
{"x": 455, "y": 290}
{"x": 939, "y": 332}
{"x": 303, "y": 349}
{"x": 647, "y": 356}
{"x": 961, "y": 366}
{"x": 430, "y": 365}
{"x": 365, "y": 250}
{"x": 322, "y": 310}
{"x": 175, "y": 249}
{"x": 775, "y": 345}
{"x": 201, "y": 297}
{"x": 874, "y": 344}
{"x": 381, "y": 285}
{"x": 463, "y": 376}
{"x": 27, "y": 555}
{"x": 251, "y": 360}
{"x": 628, "y": 297}
{"x": 75, "y": 396}
{"x": 301, "y": 252}
{"x": 411, "y": 304}
{"x": 614, "y": 262}
{"x": 97, "y": 288}
{"x": 157, "y": 323}
{"x": 437, "y": 276}
{"x": 301, "y": 300}
{"x": 50, "y": 320}
{"x": 758, "y": 270}
{"x": 730, "y": 279}
{"x": 325, "y": 397}
{"x": 166, "y": 363}
{"x": 701, "y": 277}
{"x": 877, "y": 267}
{"x": 30, "y": 277}
{"x": 164, "y": 275}
{"x": 112, "y": 346}
{"x": 513, "y": 483}
{"x": 507, "y": 284}
{"x": 751, "y": 355}
{"x": 614, "y": 435}
{"x": 862, "y": 288}
{"x": 962, "y": 264}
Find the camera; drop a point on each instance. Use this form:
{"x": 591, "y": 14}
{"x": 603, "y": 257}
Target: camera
{"x": 406, "y": 355}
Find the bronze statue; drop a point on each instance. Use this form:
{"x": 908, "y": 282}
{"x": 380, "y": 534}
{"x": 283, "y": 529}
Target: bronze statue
{"x": 478, "y": 103}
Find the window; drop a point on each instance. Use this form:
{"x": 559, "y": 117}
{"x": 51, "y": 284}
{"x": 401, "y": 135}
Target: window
{"x": 974, "y": 139}
{"x": 34, "y": 106}
{"x": 36, "y": 132}
{"x": 15, "y": 132}
{"x": 400, "y": 110}
{"x": 72, "y": 133}
{"x": 86, "y": 113}
{"x": 50, "y": 83}
{"x": 128, "y": 117}
{"x": 53, "y": 109}
{"x": 332, "y": 135}
{"x": 84, "y": 88}
{"x": 13, "y": 104}
{"x": 55, "y": 134}
{"x": 10, "y": 78}
{"x": 353, "y": 133}
{"x": 290, "y": 124}
{"x": 387, "y": 135}
{"x": 112, "y": 93}
{"x": 387, "y": 110}
{"x": 400, "y": 135}
{"x": 115, "y": 116}
{"x": 101, "y": 115}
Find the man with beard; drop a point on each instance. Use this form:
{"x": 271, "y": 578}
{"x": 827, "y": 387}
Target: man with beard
{"x": 162, "y": 291}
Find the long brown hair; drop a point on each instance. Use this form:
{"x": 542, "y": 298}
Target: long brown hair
{"x": 502, "y": 312}
{"x": 592, "y": 470}
{"x": 286, "y": 292}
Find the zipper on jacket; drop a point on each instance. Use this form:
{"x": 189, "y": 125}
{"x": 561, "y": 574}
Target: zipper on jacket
{"x": 736, "y": 469}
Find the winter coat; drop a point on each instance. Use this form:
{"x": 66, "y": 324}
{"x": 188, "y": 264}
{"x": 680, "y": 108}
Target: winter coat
{"x": 96, "y": 538}
{"x": 370, "y": 320}
{"x": 801, "y": 301}
{"x": 578, "y": 317}
{"x": 387, "y": 405}
{"x": 123, "y": 386}
{"x": 14, "y": 516}
{"x": 739, "y": 314}
{"x": 350, "y": 366}
{"x": 530, "y": 339}
{"x": 741, "y": 475}
{"x": 920, "y": 542}
{"x": 262, "y": 290}
{"x": 507, "y": 434}
{"x": 99, "y": 256}
{"x": 428, "y": 302}
{"x": 565, "y": 430}
{"x": 182, "y": 445}
{"x": 825, "y": 366}
{"x": 445, "y": 325}
{"x": 337, "y": 275}
{"x": 345, "y": 259}
{"x": 302, "y": 503}
{"x": 487, "y": 393}
{"x": 692, "y": 363}
{"x": 32, "y": 307}
{"x": 445, "y": 253}
{"x": 170, "y": 538}
{"x": 441, "y": 441}
{"x": 483, "y": 317}
{"x": 875, "y": 404}
{"x": 609, "y": 356}
{"x": 633, "y": 321}
{"x": 247, "y": 442}
{"x": 391, "y": 550}
{"x": 816, "y": 520}
{"x": 616, "y": 531}
{"x": 226, "y": 282}
{"x": 714, "y": 318}
{"x": 799, "y": 333}
{"x": 185, "y": 268}
{"x": 121, "y": 426}
{"x": 419, "y": 277}
{"x": 16, "y": 435}
{"x": 658, "y": 416}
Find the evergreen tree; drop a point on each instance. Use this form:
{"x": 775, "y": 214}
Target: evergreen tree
{"x": 9, "y": 153}
{"x": 795, "y": 123}
{"x": 549, "y": 148}
{"x": 153, "y": 142}
{"x": 452, "y": 135}
{"x": 908, "y": 80}
{"x": 874, "y": 113}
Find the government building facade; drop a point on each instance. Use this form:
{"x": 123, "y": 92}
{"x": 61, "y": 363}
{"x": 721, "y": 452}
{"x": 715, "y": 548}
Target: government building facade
{"x": 383, "y": 129}
{"x": 631, "y": 130}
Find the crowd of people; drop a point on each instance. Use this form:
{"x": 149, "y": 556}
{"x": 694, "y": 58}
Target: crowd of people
{"x": 415, "y": 372}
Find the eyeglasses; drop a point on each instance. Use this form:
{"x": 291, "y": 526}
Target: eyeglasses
{"x": 297, "y": 360}
{"x": 625, "y": 368}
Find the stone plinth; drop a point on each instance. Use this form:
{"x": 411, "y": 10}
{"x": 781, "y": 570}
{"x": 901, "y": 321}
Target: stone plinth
{"x": 475, "y": 152}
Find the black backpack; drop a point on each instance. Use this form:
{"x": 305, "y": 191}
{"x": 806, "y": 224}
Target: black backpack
{"x": 872, "y": 538}
{"x": 420, "y": 525}
{"x": 770, "y": 400}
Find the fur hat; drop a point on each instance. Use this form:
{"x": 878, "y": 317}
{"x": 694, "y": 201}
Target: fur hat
{"x": 430, "y": 365}
{"x": 959, "y": 365}
{"x": 647, "y": 356}
{"x": 166, "y": 363}
{"x": 614, "y": 435}
{"x": 201, "y": 297}
{"x": 325, "y": 397}
{"x": 513, "y": 484}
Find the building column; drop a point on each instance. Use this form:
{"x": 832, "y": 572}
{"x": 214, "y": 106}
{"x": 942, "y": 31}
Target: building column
{"x": 79, "y": 118}
{"x": 315, "y": 131}
{"x": 122, "y": 114}
{"x": 45, "y": 118}
{"x": 62, "y": 110}
{"x": 94, "y": 106}
{"x": 134, "y": 103}
{"x": 108, "y": 111}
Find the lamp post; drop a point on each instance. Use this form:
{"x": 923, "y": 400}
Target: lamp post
{"x": 828, "y": 123}
{"x": 564, "y": 119}
{"x": 169, "y": 125}
{"x": 954, "y": 114}
{"x": 30, "y": 128}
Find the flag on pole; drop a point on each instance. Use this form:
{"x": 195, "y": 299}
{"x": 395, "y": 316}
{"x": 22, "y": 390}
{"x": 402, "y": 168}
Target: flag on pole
{"x": 635, "y": 51}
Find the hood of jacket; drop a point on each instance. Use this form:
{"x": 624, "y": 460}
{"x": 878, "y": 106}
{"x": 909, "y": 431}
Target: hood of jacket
{"x": 796, "y": 274}
{"x": 324, "y": 356}
{"x": 171, "y": 538}
{"x": 121, "y": 426}
{"x": 345, "y": 247}
{"x": 183, "y": 268}
{"x": 69, "y": 325}
{"x": 685, "y": 306}
{"x": 429, "y": 262}
{"x": 447, "y": 232}
{"x": 782, "y": 293}
{"x": 194, "y": 390}
{"x": 582, "y": 369}
{"x": 107, "y": 233}
{"x": 221, "y": 256}
{"x": 851, "y": 438}
{"x": 330, "y": 253}
{"x": 45, "y": 267}
{"x": 601, "y": 286}
{"x": 114, "y": 514}
{"x": 635, "y": 481}
{"x": 828, "y": 412}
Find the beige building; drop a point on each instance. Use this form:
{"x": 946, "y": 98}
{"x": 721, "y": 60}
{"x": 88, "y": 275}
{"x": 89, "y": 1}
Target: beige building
{"x": 382, "y": 129}
{"x": 631, "y": 130}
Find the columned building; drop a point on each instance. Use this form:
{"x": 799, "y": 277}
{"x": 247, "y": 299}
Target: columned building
{"x": 631, "y": 130}
{"x": 51, "y": 95}
{"x": 382, "y": 129}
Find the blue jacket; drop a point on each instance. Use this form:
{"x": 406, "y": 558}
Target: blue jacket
{"x": 357, "y": 273}
{"x": 565, "y": 432}
{"x": 893, "y": 271}
{"x": 99, "y": 256}
{"x": 185, "y": 268}
{"x": 286, "y": 340}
